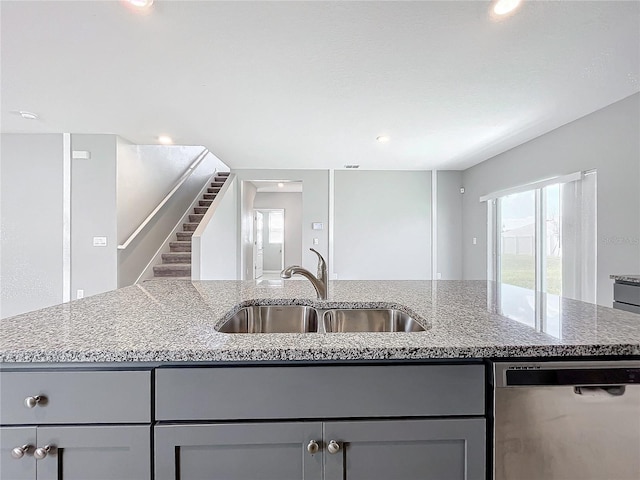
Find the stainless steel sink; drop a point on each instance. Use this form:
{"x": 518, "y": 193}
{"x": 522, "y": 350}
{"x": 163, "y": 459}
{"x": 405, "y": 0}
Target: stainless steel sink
{"x": 272, "y": 319}
{"x": 369, "y": 320}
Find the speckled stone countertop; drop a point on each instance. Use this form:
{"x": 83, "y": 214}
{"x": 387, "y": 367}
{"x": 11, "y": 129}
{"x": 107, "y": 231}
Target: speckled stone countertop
{"x": 626, "y": 278}
{"x": 175, "y": 320}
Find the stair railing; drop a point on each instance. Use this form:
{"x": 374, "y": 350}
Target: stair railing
{"x": 185, "y": 176}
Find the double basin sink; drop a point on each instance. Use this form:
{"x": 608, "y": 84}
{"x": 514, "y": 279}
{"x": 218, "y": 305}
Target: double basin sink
{"x": 303, "y": 319}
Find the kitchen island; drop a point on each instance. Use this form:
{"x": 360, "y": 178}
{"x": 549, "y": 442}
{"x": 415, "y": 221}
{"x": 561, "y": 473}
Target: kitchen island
{"x": 175, "y": 321}
{"x": 139, "y": 381}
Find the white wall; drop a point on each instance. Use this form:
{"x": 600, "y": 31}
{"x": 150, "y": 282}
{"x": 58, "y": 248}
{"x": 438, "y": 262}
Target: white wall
{"x": 291, "y": 202}
{"x": 31, "y": 221}
{"x": 449, "y": 224}
{"x": 607, "y": 140}
{"x": 93, "y": 214}
{"x": 248, "y": 193}
{"x": 382, "y": 225}
{"x": 315, "y": 206}
{"x": 215, "y": 248}
{"x": 146, "y": 173}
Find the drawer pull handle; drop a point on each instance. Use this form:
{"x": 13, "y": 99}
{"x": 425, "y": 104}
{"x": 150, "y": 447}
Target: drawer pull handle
{"x": 19, "y": 452}
{"x": 42, "y": 452}
{"x": 333, "y": 447}
{"x": 31, "y": 402}
{"x": 313, "y": 447}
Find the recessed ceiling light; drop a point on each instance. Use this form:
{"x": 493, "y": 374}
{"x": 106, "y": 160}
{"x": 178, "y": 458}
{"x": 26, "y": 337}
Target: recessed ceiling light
{"x": 28, "y": 115}
{"x": 141, "y": 4}
{"x": 382, "y": 139}
{"x": 280, "y": 185}
{"x": 165, "y": 140}
{"x": 502, "y": 7}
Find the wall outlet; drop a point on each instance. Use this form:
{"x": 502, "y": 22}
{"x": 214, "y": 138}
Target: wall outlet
{"x": 79, "y": 294}
{"x": 475, "y": 241}
{"x": 315, "y": 241}
{"x": 438, "y": 276}
{"x": 334, "y": 276}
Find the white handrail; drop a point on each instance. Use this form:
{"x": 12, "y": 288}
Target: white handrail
{"x": 182, "y": 179}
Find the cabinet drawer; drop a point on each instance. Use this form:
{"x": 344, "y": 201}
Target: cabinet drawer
{"x": 626, "y": 307}
{"x": 233, "y": 393}
{"x": 75, "y": 397}
{"x": 626, "y": 293}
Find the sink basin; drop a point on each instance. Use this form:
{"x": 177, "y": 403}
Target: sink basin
{"x": 272, "y": 319}
{"x": 369, "y": 320}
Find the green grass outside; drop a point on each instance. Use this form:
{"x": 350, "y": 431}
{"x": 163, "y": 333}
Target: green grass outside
{"x": 519, "y": 270}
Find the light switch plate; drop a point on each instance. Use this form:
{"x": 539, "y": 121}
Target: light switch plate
{"x": 317, "y": 226}
{"x": 99, "y": 241}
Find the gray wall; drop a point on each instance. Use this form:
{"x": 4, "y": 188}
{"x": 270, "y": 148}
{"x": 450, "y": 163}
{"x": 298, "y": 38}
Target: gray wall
{"x": 93, "y": 214}
{"x": 607, "y": 140}
{"x": 315, "y": 206}
{"x": 449, "y": 224}
{"x": 293, "y": 223}
{"x": 31, "y": 216}
{"x": 382, "y": 226}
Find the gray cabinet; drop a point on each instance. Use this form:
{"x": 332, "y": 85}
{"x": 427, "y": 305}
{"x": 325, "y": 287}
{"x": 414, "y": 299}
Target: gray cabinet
{"x": 81, "y": 424}
{"x": 76, "y": 453}
{"x": 447, "y": 449}
{"x": 433, "y": 449}
{"x": 266, "y": 451}
{"x": 21, "y": 465}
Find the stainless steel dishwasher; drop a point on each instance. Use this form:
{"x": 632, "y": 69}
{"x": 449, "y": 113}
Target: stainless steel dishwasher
{"x": 567, "y": 421}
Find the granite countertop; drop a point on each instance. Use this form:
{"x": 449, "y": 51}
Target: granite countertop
{"x": 175, "y": 320}
{"x": 626, "y": 278}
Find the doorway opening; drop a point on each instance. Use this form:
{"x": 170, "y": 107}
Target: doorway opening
{"x": 271, "y": 228}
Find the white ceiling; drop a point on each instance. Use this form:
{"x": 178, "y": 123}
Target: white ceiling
{"x": 311, "y": 84}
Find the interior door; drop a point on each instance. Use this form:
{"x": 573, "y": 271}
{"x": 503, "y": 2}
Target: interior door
{"x": 258, "y": 256}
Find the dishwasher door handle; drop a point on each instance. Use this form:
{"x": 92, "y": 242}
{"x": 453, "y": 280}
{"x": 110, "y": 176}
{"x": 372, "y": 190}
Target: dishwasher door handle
{"x": 613, "y": 390}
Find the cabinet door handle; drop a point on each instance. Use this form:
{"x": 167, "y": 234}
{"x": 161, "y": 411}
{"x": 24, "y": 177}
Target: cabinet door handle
{"x": 19, "y": 452}
{"x": 333, "y": 447}
{"x": 313, "y": 447}
{"x": 31, "y": 402}
{"x": 42, "y": 452}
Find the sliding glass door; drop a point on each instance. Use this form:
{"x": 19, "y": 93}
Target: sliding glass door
{"x": 542, "y": 238}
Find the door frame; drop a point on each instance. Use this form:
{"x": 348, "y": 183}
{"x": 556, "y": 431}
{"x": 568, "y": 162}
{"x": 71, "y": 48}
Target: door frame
{"x": 284, "y": 230}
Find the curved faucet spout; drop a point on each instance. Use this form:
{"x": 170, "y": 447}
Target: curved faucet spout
{"x": 319, "y": 282}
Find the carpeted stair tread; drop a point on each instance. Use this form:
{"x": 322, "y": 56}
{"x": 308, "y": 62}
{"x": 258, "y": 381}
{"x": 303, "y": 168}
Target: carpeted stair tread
{"x": 180, "y": 246}
{"x": 176, "y": 257}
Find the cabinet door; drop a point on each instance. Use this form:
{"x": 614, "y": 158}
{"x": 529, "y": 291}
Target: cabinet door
{"x": 95, "y": 453}
{"x": 23, "y": 468}
{"x": 449, "y": 449}
{"x": 264, "y": 451}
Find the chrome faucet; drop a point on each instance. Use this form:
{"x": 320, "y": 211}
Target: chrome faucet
{"x": 319, "y": 282}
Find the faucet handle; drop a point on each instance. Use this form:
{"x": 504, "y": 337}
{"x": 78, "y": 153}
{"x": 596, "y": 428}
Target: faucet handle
{"x": 322, "y": 266}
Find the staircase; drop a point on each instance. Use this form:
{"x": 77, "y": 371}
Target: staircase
{"x": 177, "y": 263}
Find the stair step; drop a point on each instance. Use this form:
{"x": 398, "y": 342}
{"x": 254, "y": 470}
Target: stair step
{"x": 217, "y": 184}
{"x": 180, "y": 246}
{"x": 189, "y": 226}
{"x": 205, "y": 203}
{"x": 209, "y": 196}
{"x": 196, "y": 217}
{"x": 176, "y": 257}
{"x": 172, "y": 270}
{"x": 200, "y": 210}
{"x": 184, "y": 236}
{"x": 213, "y": 190}
{"x": 217, "y": 179}
{"x": 222, "y": 174}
